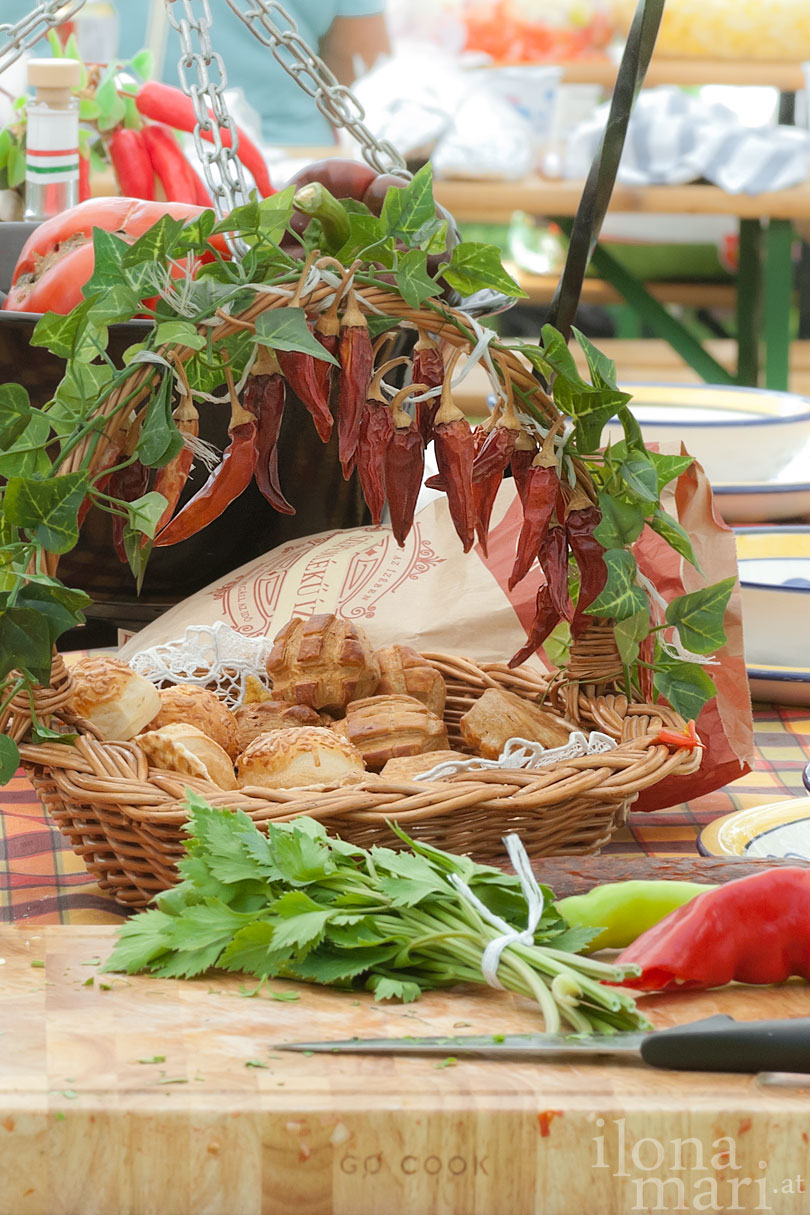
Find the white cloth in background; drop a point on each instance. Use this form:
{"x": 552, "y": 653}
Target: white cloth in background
{"x": 675, "y": 138}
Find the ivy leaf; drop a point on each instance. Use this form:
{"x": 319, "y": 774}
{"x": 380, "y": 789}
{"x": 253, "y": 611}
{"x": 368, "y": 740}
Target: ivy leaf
{"x": 244, "y": 220}
{"x": 405, "y": 211}
{"x": 412, "y": 278}
{"x": 144, "y": 513}
{"x": 381, "y": 324}
{"x": 15, "y": 414}
{"x": 559, "y": 357}
{"x": 629, "y": 634}
{"x": 475, "y": 267}
{"x": 698, "y": 616}
{"x": 117, "y": 303}
{"x": 685, "y": 685}
{"x": 159, "y": 440}
{"x": 621, "y": 596}
{"x": 676, "y": 536}
{"x": 143, "y": 63}
{"x": 179, "y": 333}
{"x": 60, "y": 607}
{"x": 275, "y": 213}
{"x": 667, "y": 468}
{"x": 196, "y": 231}
{"x": 9, "y": 758}
{"x": 632, "y": 431}
{"x": 155, "y": 244}
{"x": 640, "y": 476}
{"x": 25, "y": 643}
{"x": 367, "y": 239}
{"x": 621, "y": 524}
{"x": 47, "y": 509}
{"x": 59, "y": 332}
{"x": 287, "y": 329}
{"x": 602, "y": 369}
{"x": 590, "y": 408}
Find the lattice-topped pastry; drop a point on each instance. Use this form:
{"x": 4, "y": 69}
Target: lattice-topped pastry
{"x": 324, "y": 662}
{"x": 404, "y": 672}
{"x": 384, "y": 727}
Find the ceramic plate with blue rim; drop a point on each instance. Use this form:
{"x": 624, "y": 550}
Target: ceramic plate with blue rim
{"x": 754, "y": 443}
{"x": 778, "y": 829}
{"x": 774, "y": 564}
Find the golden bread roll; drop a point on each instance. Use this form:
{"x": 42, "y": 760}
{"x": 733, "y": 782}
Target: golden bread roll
{"x": 406, "y": 767}
{"x": 404, "y": 671}
{"x": 383, "y": 727}
{"x": 112, "y": 697}
{"x": 199, "y": 707}
{"x": 181, "y": 747}
{"x": 498, "y": 716}
{"x": 303, "y": 755}
{"x": 261, "y": 716}
{"x": 323, "y": 662}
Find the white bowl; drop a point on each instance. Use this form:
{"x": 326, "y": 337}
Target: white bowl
{"x": 739, "y": 435}
{"x": 774, "y": 564}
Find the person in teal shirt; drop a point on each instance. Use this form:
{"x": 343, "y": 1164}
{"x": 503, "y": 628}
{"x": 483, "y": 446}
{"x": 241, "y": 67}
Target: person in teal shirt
{"x": 348, "y": 34}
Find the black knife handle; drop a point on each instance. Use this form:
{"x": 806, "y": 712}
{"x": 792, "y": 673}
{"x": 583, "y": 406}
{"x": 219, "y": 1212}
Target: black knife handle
{"x": 721, "y": 1044}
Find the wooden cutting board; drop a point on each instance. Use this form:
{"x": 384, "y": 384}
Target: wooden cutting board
{"x": 141, "y": 1096}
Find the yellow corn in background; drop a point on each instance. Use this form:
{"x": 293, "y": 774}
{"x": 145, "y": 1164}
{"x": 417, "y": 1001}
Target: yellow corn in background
{"x": 729, "y": 29}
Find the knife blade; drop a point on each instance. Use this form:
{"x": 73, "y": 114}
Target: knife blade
{"x": 715, "y": 1044}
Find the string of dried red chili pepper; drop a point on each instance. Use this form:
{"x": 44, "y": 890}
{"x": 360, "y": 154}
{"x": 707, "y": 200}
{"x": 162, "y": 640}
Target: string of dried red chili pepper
{"x": 356, "y": 359}
{"x": 491, "y": 461}
{"x": 172, "y": 477}
{"x": 127, "y": 484}
{"x": 376, "y": 432}
{"x": 545, "y": 620}
{"x": 553, "y": 557}
{"x": 454, "y": 446}
{"x": 304, "y": 373}
{"x": 589, "y": 555}
{"x": 522, "y": 460}
{"x": 428, "y": 368}
{"x": 265, "y": 394}
{"x": 404, "y": 465}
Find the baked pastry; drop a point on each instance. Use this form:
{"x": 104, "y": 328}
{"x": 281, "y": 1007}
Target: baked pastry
{"x": 323, "y": 662}
{"x": 112, "y": 697}
{"x": 306, "y": 755}
{"x": 262, "y": 716}
{"x": 499, "y": 715}
{"x": 407, "y": 767}
{"x": 199, "y": 707}
{"x": 181, "y": 747}
{"x": 255, "y": 691}
{"x": 405, "y": 672}
{"x": 383, "y": 727}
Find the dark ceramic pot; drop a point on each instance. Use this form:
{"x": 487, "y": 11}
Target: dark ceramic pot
{"x": 310, "y": 474}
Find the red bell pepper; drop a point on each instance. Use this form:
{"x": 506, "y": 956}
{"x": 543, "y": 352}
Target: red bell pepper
{"x": 753, "y": 930}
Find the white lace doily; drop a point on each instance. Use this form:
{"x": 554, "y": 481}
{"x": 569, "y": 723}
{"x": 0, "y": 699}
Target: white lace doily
{"x": 523, "y": 753}
{"x": 213, "y": 656}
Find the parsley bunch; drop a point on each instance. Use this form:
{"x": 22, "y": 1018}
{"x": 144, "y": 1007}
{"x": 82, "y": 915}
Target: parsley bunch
{"x": 299, "y": 904}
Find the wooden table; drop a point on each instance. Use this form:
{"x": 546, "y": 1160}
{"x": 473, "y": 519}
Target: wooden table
{"x": 764, "y": 281}
{"x": 140, "y": 1096}
{"x": 785, "y": 75}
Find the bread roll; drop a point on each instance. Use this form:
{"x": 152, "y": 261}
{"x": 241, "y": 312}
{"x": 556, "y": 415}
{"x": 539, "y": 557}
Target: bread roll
{"x": 261, "y": 716}
{"x": 307, "y": 755}
{"x": 181, "y": 747}
{"x": 382, "y": 727}
{"x": 410, "y": 766}
{"x": 324, "y": 662}
{"x": 199, "y": 707}
{"x": 405, "y": 672}
{"x": 112, "y": 697}
{"x": 499, "y": 715}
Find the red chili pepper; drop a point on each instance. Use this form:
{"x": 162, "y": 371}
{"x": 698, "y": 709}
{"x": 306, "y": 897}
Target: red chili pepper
{"x": 101, "y": 480}
{"x": 228, "y": 480}
{"x": 404, "y": 466}
{"x": 687, "y": 739}
{"x": 545, "y": 620}
{"x": 173, "y": 170}
{"x": 171, "y": 478}
{"x": 590, "y": 558}
{"x": 164, "y": 103}
{"x": 428, "y": 368}
{"x": 300, "y": 370}
{"x": 553, "y": 557}
{"x": 356, "y": 359}
{"x": 127, "y": 484}
{"x": 539, "y": 499}
{"x": 454, "y": 447}
{"x": 84, "y": 178}
{"x": 376, "y": 433}
{"x": 133, "y": 164}
{"x": 264, "y": 396}
{"x": 491, "y": 459}
{"x": 752, "y": 930}
{"x": 521, "y": 462}
{"x": 327, "y": 329}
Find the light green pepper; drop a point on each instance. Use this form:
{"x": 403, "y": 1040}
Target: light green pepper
{"x": 623, "y": 910}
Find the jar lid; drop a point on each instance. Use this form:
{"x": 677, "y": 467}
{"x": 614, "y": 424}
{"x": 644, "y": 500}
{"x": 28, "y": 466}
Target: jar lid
{"x": 54, "y": 73}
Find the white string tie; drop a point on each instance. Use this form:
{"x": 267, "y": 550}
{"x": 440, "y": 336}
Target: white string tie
{"x": 491, "y": 957}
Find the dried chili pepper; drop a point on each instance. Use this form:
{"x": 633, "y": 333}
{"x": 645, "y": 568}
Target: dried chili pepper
{"x": 356, "y": 359}
{"x": 522, "y": 460}
{"x": 539, "y": 500}
{"x": 376, "y": 432}
{"x": 553, "y": 556}
{"x": 228, "y": 480}
{"x": 428, "y": 368}
{"x": 265, "y": 394}
{"x": 589, "y": 555}
{"x": 546, "y": 619}
{"x": 404, "y": 466}
{"x": 301, "y": 371}
{"x": 454, "y": 446}
{"x": 752, "y": 930}
{"x": 127, "y": 484}
{"x": 110, "y": 458}
{"x": 490, "y": 463}
{"x": 171, "y": 478}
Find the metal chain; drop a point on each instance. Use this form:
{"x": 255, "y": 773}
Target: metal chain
{"x": 221, "y": 166}
{"x": 15, "y": 40}
{"x": 334, "y": 100}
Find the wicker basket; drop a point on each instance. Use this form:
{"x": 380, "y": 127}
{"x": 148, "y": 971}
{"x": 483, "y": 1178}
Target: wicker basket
{"x": 126, "y": 819}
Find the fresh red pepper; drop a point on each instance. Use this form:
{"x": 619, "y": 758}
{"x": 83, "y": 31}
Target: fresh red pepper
{"x": 356, "y": 358}
{"x": 173, "y": 170}
{"x": 171, "y": 478}
{"x": 752, "y": 930}
{"x": 428, "y": 368}
{"x": 164, "y": 103}
{"x": 404, "y": 466}
{"x": 680, "y": 739}
{"x": 127, "y": 484}
{"x": 265, "y": 394}
{"x": 228, "y": 480}
{"x": 133, "y": 164}
{"x": 546, "y": 619}
{"x": 589, "y": 556}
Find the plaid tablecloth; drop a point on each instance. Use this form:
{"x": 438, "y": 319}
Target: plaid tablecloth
{"x": 43, "y": 882}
